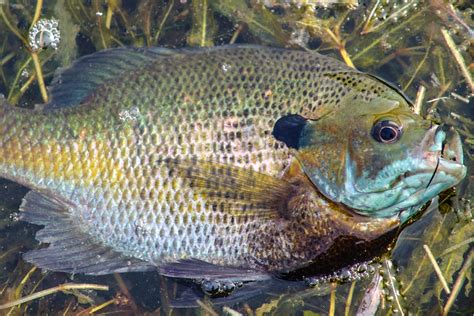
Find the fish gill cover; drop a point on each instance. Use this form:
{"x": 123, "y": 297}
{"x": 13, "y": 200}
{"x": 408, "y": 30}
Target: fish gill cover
{"x": 422, "y": 46}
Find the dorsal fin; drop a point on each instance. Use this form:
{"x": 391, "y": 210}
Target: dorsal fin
{"x": 72, "y": 85}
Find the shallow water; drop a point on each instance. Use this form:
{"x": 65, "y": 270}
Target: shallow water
{"x": 402, "y": 42}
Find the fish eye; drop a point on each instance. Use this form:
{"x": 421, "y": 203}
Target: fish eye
{"x": 387, "y": 132}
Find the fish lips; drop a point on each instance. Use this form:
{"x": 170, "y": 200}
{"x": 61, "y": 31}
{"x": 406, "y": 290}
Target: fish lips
{"x": 441, "y": 150}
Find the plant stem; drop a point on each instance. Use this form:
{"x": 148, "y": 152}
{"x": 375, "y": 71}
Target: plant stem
{"x": 59, "y": 288}
{"x": 204, "y": 23}
{"x": 163, "y": 21}
{"x": 417, "y": 68}
{"x": 437, "y": 269}
{"x": 39, "y": 7}
{"x": 458, "y": 284}
{"x": 332, "y": 300}
{"x": 420, "y": 95}
{"x": 458, "y": 58}
{"x": 375, "y": 42}
{"x": 349, "y": 299}
{"x": 17, "y": 77}
{"x": 11, "y": 27}
{"x": 39, "y": 76}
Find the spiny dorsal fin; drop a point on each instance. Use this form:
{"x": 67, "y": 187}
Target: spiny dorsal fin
{"x": 72, "y": 85}
{"x": 70, "y": 250}
{"x": 235, "y": 190}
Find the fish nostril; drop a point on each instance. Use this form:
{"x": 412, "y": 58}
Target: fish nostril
{"x": 449, "y": 152}
{"x": 446, "y": 143}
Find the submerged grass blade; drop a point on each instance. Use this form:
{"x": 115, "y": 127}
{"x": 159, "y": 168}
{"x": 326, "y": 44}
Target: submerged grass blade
{"x": 123, "y": 287}
{"x": 203, "y": 29}
{"x": 231, "y": 312}
{"x": 436, "y": 268}
{"x": 163, "y": 21}
{"x": 458, "y": 284}
{"x": 349, "y": 299}
{"x": 207, "y": 308}
{"x": 13, "y": 28}
{"x": 95, "y": 309}
{"x": 392, "y": 30}
{"x": 260, "y": 21}
{"x": 23, "y": 282}
{"x": 458, "y": 58}
{"x": 420, "y": 95}
{"x": 204, "y": 23}
{"x": 457, "y": 246}
{"x": 34, "y": 55}
{"x": 59, "y": 288}
{"x": 39, "y": 76}
{"x": 332, "y": 300}
{"x": 388, "y": 267}
{"x": 39, "y": 7}
{"x": 422, "y": 62}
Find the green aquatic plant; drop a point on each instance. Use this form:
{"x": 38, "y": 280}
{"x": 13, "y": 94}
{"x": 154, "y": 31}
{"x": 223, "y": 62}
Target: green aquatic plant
{"x": 415, "y": 44}
{"x": 421, "y": 286}
{"x": 203, "y": 28}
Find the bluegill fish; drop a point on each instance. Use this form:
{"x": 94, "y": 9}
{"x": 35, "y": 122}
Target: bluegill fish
{"x": 235, "y": 162}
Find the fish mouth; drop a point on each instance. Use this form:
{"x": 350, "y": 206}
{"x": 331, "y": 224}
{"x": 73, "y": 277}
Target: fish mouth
{"x": 440, "y": 154}
{"x": 442, "y": 161}
{"x": 433, "y": 167}
{"x": 445, "y": 154}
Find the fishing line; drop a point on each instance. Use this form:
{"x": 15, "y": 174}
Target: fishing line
{"x": 436, "y": 169}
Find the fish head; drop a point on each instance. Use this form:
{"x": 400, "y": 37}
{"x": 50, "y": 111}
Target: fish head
{"x": 379, "y": 158}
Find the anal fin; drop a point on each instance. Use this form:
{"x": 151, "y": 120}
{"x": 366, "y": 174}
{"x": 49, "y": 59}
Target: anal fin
{"x": 198, "y": 269}
{"x": 70, "y": 249}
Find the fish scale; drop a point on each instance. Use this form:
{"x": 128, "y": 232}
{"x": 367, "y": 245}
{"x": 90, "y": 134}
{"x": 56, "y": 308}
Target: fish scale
{"x": 215, "y": 105}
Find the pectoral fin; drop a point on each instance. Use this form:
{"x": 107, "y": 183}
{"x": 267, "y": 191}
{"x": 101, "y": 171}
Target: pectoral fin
{"x": 235, "y": 190}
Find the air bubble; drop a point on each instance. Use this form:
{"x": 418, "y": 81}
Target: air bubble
{"x": 362, "y": 268}
{"x": 226, "y": 67}
{"x": 15, "y": 217}
{"x": 217, "y": 288}
{"x": 43, "y": 34}
{"x": 345, "y": 275}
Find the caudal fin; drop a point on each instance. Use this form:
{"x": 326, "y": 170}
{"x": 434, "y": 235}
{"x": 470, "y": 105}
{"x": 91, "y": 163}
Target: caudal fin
{"x": 70, "y": 249}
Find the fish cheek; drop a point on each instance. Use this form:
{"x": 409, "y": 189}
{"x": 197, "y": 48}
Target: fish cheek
{"x": 322, "y": 155}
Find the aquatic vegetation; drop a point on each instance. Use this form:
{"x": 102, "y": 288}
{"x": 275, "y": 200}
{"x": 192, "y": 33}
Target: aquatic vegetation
{"x": 415, "y": 44}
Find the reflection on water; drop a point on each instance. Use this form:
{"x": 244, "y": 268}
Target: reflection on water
{"x": 410, "y": 43}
